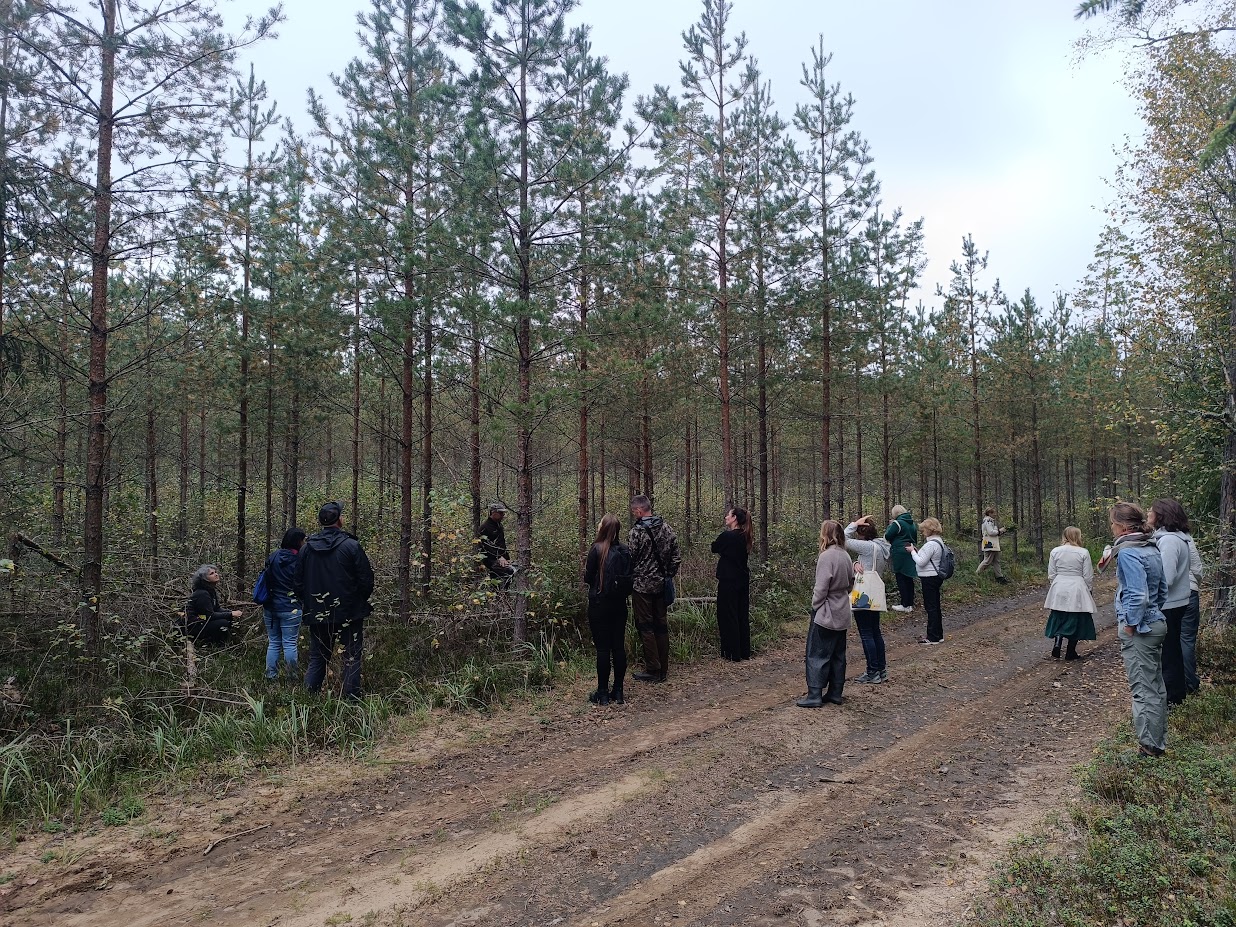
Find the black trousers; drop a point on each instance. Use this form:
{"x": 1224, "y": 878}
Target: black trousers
{"x": 734, "y": 621}
{"x": 322, "y": 636}
{"x": 1173, "y": 656}
{"x": 931, "y": 602}
{"x": 216, "y": 630}
{"x": 905, "y": 589}
{"x": 825, "y": 660}
{"x": 653, "y": 627}
{"x": 607, "y": 621}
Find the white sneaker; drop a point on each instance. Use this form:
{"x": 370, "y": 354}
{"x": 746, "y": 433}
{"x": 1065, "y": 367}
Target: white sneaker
{"x": 902, "y": 608}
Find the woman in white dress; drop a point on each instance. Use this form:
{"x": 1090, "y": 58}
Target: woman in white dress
{"x": 1070, "y": 605}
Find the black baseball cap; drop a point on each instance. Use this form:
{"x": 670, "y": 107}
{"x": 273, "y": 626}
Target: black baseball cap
{"x": 329, "y": 514}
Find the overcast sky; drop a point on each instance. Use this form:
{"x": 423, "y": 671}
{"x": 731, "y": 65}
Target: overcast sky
{"x": 978, "y": 116}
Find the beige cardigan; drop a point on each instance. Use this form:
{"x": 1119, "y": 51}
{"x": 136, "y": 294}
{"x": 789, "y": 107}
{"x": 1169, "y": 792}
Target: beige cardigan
{"x": 834, "y": 578}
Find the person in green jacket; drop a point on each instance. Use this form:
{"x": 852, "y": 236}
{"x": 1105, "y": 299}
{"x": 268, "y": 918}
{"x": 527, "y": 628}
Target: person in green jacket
{"x": 901, "y": 532}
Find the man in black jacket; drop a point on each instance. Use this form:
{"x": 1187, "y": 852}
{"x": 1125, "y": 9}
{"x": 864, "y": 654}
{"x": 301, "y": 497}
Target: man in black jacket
{"x": 333, "y": 582}
{"x": 495, "y": 556}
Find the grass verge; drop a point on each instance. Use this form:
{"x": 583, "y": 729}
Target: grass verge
{"x": 1150, "y": 842}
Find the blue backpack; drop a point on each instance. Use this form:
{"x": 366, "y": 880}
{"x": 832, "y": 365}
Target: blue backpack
{"x": 261, "y": 591}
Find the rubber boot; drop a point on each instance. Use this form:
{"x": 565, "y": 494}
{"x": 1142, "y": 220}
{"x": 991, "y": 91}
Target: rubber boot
{"x": 663, "y": 653}
{"x": 813, "y": 699}
{"x": 1071, "y": 652}
{"x": 1055, "y": 651}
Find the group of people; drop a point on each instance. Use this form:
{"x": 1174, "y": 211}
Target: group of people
{"x": 325, "y": 581}
{"x": 322, "y": 580}
{"x": 1158, "y": 611}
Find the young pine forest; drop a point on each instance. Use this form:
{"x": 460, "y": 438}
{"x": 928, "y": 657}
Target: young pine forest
{"x": 483, "y": 268}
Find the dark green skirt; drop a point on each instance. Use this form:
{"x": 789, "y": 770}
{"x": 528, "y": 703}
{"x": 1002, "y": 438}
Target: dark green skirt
{"x": 1071, "y": 624}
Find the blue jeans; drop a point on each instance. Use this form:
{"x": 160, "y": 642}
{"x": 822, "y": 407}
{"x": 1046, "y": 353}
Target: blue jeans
{"x": 873, "y": 641}
{"x": 282, "y": 630}
{"x": 1188, "y": 641}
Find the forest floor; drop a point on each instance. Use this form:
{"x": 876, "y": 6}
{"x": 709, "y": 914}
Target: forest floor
{"x": 709, "y": 800}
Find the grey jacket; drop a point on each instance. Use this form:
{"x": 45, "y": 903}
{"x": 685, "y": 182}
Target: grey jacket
{"x": 830, "y": 599}
{"x": 1174, "y": 548}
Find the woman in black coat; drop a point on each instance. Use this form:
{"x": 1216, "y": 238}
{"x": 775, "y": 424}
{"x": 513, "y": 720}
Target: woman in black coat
{"x": 734, "y": 585}
{"x": 607, "y": 573}
{"x": 204, "y": 621}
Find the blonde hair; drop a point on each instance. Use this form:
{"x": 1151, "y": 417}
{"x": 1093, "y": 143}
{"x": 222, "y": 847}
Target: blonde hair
{"x": 1072, "y": 535}
{"x": 897, "y": 511}
{"x": 931, "y": 526}
{"x": 831, "y": 535}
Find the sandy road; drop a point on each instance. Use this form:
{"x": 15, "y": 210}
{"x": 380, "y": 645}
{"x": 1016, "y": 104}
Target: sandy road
{"x": 711, "y": 800}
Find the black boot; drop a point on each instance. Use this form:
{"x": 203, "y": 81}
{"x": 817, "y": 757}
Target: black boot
{"x": 1055, "y": 651}
{"x": 813, "y": 699}
{"x": 1071, "y": 652}
{"x": 615, "y": 694}
{"x": 599, "y": 697}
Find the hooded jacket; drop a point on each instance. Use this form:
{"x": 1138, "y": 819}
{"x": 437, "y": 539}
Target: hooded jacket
{"x": 654, "y": 554}
{"x": 333, "y": 578}
{"x": 1174, "y": 549}
{"x": 281, "y": 580}
{"x": 901, "y": 531}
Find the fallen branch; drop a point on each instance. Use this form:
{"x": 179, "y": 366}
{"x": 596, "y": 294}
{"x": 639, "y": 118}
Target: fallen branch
{"x": 214, "y": 843}
{"x": 20, "y": 540}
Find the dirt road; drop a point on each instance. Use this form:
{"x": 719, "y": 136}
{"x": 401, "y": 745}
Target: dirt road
{"x": 710, "y": 800}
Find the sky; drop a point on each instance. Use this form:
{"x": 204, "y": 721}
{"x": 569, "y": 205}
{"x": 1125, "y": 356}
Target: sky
{"x": 979, "y": 116}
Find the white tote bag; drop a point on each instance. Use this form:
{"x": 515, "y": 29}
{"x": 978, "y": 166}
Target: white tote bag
{"x": 868, "y": 593}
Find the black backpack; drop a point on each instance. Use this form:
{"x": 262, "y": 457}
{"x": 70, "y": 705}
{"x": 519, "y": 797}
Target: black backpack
{"x": 948, "y": 560}
{"x": 619, "y": 573}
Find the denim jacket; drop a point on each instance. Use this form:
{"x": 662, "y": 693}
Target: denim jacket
{"x": 1141, "y": 589}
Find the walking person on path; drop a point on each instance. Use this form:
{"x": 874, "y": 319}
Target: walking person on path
{"x": 607, "y": 573}
{"x": 1171, "y": 535}
{"x": 990, "y": 546}
{"x": 872, "y": 553}
{"x": 655, "y": 562}
{"x": 281, "y": 612}
{"x": 732, "y": 546}
{"x": 1141, "y": 591}
{"x": 334, "y": 582}
{"x": 830, "y": 620}
{"x": 901, "y": 535}
{"x": 929, "y": 560}
{"x": 1070, "y": 605}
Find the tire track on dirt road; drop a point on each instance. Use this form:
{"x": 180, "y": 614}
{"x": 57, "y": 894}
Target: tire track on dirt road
{"x": 267, "y": 880}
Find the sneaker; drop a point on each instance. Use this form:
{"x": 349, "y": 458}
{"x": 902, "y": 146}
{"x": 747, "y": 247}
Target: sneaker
{"x": 882, "y": 676}
{"x": 923, "y": 640}
{"x": 903, "y": 608}
{"x": 868, "y": 677}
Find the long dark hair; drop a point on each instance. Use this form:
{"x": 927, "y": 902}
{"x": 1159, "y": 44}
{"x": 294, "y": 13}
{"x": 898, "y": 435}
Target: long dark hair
{"x": 607, "y": 537}
{"x": 744, "y": 524}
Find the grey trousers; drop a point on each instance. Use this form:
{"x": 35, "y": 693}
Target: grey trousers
{"x": 1143, "y": 656}
{"x": 991, "y": 561}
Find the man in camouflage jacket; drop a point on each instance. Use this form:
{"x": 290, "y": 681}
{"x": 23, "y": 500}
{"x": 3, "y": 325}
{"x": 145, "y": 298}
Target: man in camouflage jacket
{"x": 655, "y": 558}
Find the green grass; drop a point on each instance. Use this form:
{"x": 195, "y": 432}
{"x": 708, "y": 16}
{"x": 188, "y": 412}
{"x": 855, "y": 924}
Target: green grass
{"x": 1150, "y": 842}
